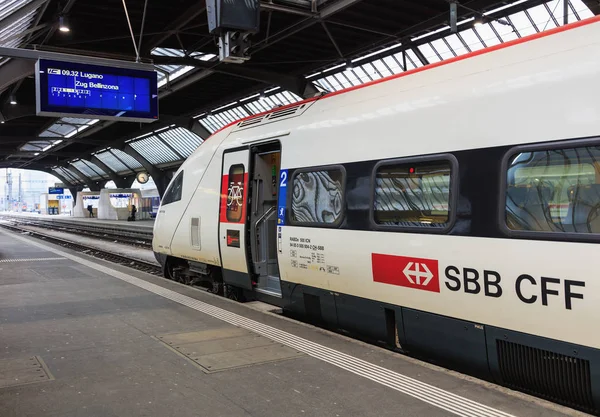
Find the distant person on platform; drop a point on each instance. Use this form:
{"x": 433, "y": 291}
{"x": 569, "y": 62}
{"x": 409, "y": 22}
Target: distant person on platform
{"x": 133, "y": 211}
{"x": 91, "y": 210}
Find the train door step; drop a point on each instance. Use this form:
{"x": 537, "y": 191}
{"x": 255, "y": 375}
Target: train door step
{"x": 270, "y": 285}
{"x": 227, "y": 348}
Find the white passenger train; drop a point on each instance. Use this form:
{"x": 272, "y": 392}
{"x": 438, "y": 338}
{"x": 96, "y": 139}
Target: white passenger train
{"x": 451, "y": 211}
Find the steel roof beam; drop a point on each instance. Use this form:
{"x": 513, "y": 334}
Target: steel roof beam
{"x": 78, "y": 173}
{"x": 182, "y": 21}
{"x": 93, "y": 185}
{"x": 297, "y": 85}
{"x": 14, "y": 71}
{"x": 594, "y": 5}
{"x": 157, "y": 175}
{"x": 196, "y": 127}
{"x": 280, "y": 8}
{"x": 336, "y": 7}
{"x": 119, "y": 181}
{"x": 34, "y": 55}
{"x": 20, "y": 13}
{"x": 60, "y": 177}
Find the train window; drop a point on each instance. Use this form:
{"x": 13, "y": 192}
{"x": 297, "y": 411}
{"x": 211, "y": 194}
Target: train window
{"x": 414, "y": 194}
{"x": 174, "y": 192}
{"x": 554, "y": 190}
{"x": 235, "y": 191}
{"x": 318, "y": 196}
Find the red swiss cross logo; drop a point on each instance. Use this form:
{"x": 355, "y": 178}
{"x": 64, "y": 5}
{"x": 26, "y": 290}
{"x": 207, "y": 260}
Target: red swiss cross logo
{"x": 418, "y": 273}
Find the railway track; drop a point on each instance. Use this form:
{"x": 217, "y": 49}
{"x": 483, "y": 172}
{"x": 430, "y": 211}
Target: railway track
{"x": 131, "y": 262}
{"x": 131, "y": 237}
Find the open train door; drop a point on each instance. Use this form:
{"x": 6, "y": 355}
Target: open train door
{"x": 232, "y": 219}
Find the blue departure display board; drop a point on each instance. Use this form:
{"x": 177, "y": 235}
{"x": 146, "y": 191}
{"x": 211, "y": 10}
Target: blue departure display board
{"x": 69, "y": 89}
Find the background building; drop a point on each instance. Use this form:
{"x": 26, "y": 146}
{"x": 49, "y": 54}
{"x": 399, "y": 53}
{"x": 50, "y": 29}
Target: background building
{"x": 20, "y": 190}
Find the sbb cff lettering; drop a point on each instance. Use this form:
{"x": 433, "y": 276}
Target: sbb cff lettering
{"x": 469, "y": 280}
{"x": 527, "y": 288}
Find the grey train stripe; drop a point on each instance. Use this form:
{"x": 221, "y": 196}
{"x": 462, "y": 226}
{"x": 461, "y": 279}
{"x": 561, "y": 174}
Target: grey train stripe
{"x": 429, "y": 394}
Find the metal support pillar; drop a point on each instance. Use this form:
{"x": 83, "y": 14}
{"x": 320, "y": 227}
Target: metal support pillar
{"x": 74, "y": 191}
{"x": 566, "y": 12}
{"x": 196, "y": 127}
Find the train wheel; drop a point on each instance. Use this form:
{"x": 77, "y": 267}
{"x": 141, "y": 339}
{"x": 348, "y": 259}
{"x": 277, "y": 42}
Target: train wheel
{"x": 172, "y": 266}
{"x": 217, "y": 288}
{"x": 234, "y": 293}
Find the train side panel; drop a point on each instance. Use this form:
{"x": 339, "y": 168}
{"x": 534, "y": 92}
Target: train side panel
{"x": 173, "y": 225}
{"x": 499, "y": 282}
{"x": 196, "y": 237}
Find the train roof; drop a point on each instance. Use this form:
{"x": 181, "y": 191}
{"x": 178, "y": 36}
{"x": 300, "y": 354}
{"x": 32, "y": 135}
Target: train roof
{"x": 487, "y": 50}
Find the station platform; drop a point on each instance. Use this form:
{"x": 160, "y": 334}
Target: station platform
{"x": 83, "y": 337}
{"x": 141, "y": 225}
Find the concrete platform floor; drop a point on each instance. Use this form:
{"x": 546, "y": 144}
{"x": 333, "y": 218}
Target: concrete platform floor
{"x": 142, "y": 225}
{"x": 84, "y": 338}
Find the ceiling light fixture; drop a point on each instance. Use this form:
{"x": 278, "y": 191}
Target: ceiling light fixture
{"x": 349, "y": 65}
{"x": 63, "y": 24}
{"x": 13, "y": 100}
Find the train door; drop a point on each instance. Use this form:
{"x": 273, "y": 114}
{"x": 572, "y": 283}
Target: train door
{"x": 248, "y": 219}
{"x": 232, "y": 219}
{"x": 266, "y": 160}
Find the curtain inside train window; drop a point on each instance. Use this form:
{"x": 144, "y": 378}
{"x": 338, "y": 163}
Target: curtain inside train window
{"x": 413, "y": 195}
{"x": 555, "y": 190}
{"x": 318, "y": 196}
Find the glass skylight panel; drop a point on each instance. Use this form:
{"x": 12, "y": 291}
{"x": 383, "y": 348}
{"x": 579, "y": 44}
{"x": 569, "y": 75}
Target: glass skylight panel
{"x": 181, "y": 139}
{"x": 541, "y": 17}
{"x": 10, "y": 35}
{"x": 507, "y": 33}
{"x": 112, "y": 162}
{"x": 487, "y": 34}
{"x": 154, "y": 150}
{"x": 86, "y": 169}
{"x": 66, "y": 174}
{"x": 412, "y": 58}
{"x": 127, "y": 159}
{"x": 442, "y": 49}
{"x": 176, "y": 71}
{"x": 291, "y": 96}
{"x": 341, "y": 80}
{"x": 382, "y": 68}
{"x": 95, "y": 168}
{"x": 456, "y": 44}
{"x": 254, "y": 108}
{"x": 210, "y": 124}
{"x": 471, "y": 40}
{"x": 362, "y": 74}
{"x": 352, "y": 77}
{"x": 522, "y": 24}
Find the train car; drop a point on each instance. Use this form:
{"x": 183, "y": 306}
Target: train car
{"x": 452, "y": 212}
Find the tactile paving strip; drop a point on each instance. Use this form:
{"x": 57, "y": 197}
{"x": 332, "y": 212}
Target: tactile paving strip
{"x": 21, "y": 371}
{"x": 227, "y": 348}
{"x": 29, "y": 260}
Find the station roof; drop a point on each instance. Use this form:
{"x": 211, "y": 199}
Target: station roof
{"x": 304, "y": 47}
